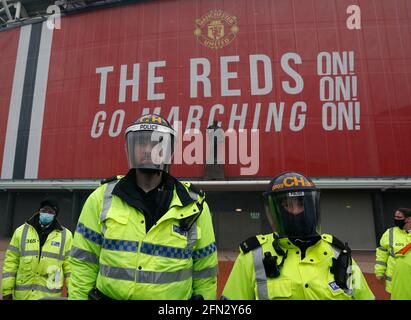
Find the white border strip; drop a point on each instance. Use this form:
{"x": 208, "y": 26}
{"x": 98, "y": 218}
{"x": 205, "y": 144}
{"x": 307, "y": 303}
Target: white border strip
{"x": 211, "y": 185}
{"x": 39, "y": 99}
{"x": 9, "y": 152}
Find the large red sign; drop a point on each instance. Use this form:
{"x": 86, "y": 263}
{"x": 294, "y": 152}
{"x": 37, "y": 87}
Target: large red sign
{"x": 325, "y": 85}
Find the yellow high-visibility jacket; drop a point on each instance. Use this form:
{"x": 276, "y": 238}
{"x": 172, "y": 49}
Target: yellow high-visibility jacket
{"x": 391, "y": 241}
{"x": 113, "y": 252}
{"x": 29, "y": 274}
{"x": 401, "y": 278}
{"x": 306, "y": 279}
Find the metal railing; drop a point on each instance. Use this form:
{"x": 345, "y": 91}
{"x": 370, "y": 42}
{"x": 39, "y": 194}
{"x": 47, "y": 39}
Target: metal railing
{"x": 11, "y": 11}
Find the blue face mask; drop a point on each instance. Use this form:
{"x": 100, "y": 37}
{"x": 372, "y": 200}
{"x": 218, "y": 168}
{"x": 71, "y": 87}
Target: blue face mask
{"x": 46, "y": 218}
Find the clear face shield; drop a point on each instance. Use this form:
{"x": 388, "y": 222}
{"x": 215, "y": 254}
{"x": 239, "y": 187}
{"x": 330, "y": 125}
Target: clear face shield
{"x": 149, "y": 150}
{"x": 294, "y": 214}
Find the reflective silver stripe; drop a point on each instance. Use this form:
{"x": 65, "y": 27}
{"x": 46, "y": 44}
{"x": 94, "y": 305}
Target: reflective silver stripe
{"x": 63, "y": 242}
{"x": 107, "y": 203}
{"x": 336, "y": 252}
{"x": 139, "y": 276}
{"x": 192, "y": 194}
{"x": 36, "y": 287}
{"x": 391, "y": 239}
{"x": 107, "y": 199}
{"x": 13, "y": 248}
{"x": 163, "y": 277}
{"x": 381, "y": 263}
{"x": 51, "y": 255}
{"x": 127, "y": 274}
{"x": 260, "y": 276}
{"x": 388, "y": 278}
{"x": 9, "y": 274}
{"x": 23, "y": 239}
{"x": 192, "y": 236}
{"x": 83, "y": 255}
{"x": 30, "y": 253}
{"x": 205, "y": 273}
{"x": 382, "y": 249}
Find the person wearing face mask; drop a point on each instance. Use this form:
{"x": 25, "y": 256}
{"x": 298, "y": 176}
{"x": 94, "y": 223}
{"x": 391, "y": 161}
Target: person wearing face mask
{"x": 296, "y": 261}
{"x": 36, "y": 262}
{"x": 392, "y": 240}
{"x": 145, "y": 236}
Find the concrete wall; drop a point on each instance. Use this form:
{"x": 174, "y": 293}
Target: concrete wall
{"x": 348, "y": 215}
{"x": 232, "y": 227}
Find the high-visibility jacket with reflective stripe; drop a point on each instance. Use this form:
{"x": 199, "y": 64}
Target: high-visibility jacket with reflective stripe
{"x": 391, "y": 241}
{"x": 29, "y": 275}
{"x": 401, "y": 278}
{"x": 113, "y": 251}
{"x": 306, "y": 279}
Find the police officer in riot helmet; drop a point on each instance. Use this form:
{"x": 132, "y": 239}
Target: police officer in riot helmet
{"x": 293, "y": 210}
{"x": 149, "y": 144}
{"x": 295, "y": 261}
{"x": 151, "y": 220}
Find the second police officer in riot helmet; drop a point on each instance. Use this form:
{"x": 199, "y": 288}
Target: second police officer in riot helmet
{"x": 296, "y": 261}
{"x": 145, "y": 235}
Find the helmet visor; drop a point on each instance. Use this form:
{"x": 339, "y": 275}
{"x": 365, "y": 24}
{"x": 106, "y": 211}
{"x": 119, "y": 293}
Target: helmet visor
{"x": 149, "y": 150}
{"x": 294, "y": 214}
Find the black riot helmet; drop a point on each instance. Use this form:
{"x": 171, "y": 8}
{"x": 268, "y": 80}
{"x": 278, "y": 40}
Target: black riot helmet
{"x": 150, "y": 143}
{"x": 292, "y": 206}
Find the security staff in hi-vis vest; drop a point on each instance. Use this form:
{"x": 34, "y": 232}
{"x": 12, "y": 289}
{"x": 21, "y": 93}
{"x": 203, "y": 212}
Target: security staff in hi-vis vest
{"x": 401, "y": 278}
{"x": 145, "y": 235}
{"x": 36, "y": 263}
{"x": 295, "y": 261}
{"x": 393, "y": 240}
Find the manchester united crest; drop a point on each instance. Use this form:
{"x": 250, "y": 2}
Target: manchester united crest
{"x": 216, "y": 29}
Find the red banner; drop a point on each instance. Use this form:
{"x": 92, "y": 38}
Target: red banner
{"x": 326, "y": 86}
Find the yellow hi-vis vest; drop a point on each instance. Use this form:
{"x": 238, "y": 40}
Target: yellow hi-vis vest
{"x": 29, "y": 275}
{"x": 113, "y": 252}
{"x": 306, "y": 279}
{"x": 391, "y": 241}
{"x": 401, "y": 278}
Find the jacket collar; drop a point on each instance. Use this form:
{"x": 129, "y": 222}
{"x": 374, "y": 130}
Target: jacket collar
{"x": 128, "y": 190}
{"x": 182, "y": 195}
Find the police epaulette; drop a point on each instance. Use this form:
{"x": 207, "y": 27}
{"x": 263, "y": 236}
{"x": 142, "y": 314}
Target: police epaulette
{"x": 195, "y": 190}
{"x": 250, "y": 244}
{"x": 339, "y": 244}
{"x": 104, "y": 181}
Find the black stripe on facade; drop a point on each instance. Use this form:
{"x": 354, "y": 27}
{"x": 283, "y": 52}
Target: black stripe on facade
{"x": 27, "y": 102}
